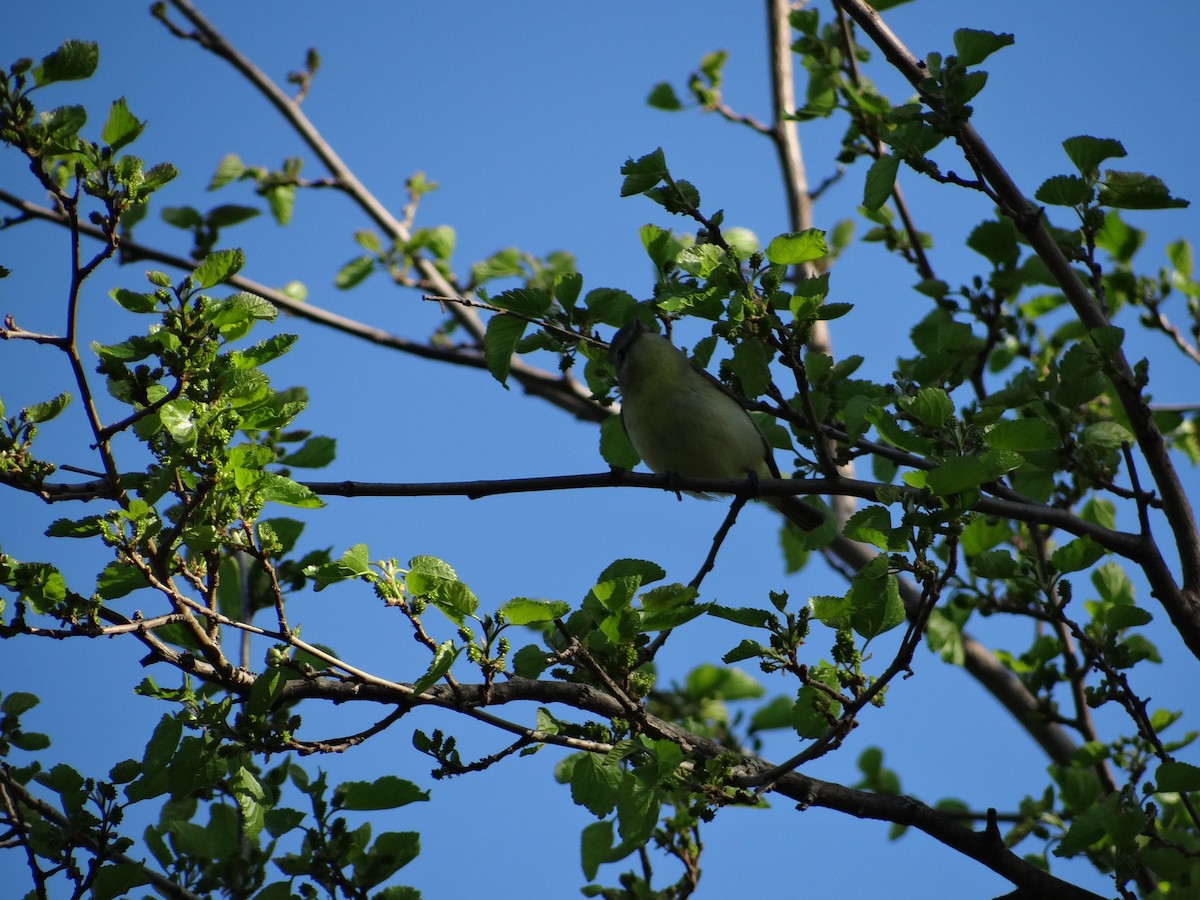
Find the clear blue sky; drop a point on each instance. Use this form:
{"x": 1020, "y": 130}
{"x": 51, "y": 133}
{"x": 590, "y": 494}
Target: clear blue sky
{"x": 524, "y": 114}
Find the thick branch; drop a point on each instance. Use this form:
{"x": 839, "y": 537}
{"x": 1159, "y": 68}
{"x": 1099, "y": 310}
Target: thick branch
{"x": 783, "y": 129}
{"x": 985, "y": 847}
{"x": 1131, "y": 546}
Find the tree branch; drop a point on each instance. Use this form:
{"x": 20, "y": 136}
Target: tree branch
{"x": 1182, "y": 603}
{"x": 985, "y": 847}
{"x": 18, "y": 792}
{"x": 561, "y": 390}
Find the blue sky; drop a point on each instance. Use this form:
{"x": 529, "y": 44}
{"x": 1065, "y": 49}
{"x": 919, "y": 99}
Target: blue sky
{"x": 524, "y": 114}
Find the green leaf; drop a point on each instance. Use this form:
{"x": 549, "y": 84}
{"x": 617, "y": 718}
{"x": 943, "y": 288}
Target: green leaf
{"x": 637, "y": 810}
{"x": 615, "y": 448}
{"x": 993, "y": 564}
{"x": 872, "y": 525}
{"x": 443, "y": 659}
{"x": 133, "y": 301}
{"x": 40, "y": 584}
{"x": 30, "y": 741}
{"x": 811, "y": 712}
{"x": 162, "y": 744}
{"x": 668, "y": 597}
{"x": 18, "y": 702}
{"x": 387, "y": 792}
{"x": 264, "y": 351}
{"x": 1118, "y": 618}
{"x": 751, "y": 364}
{"x": 973, "y": 47}
{"x": 742, "y": 615}
{"x": 279, "y": 821}
{"x": 266, "y": 690}
{"x": 966, "y": 472}
{"x": 176, "y": 417}
{"x": 46, "y": 410}
{"x": 931, "y": 406}
{"x": 528, "y": 301}
{"x": 776, "y": 713}
{"x": 230, "y": 214}
{"x": 530, "y": 661}
{"x": 155, "y": 177}
{"x": 1179, "y": 253}
{"x": 72, "y": 61}
{"x": 644, "y": 571}
{"x": 354, "y": 272}
{"x": 117, "y": 579}
{"x": 1177, "y": 776}
{"x": 440, "y": 241}
{"x": 117, "y": 880}
{"x": 59, "y": 127}
{"x": 1113, "y": 584}
{"x": 499, "y": 343}
{"x": 644, "y": 173}
{"x": 701, "y": 260}
{"x": 996, "y": 241}
{"x": 524, "y": 611}
{"x": 891, "y": 432}
{"x": 229, "y": 169}
{"x": 881, "y": 181}
{"x": 1103, "y": 436}
{"x": 315, "y": 453}
{"x": 282, "y": 200}
{"x": 1064, "y": 190}
{"x": 392, "y": 851}
{"x": 232, "y": 314}
{"x": 1076, "y": 555}
{"x": 596, "y": 848}
{"x": 1136, "y": 190}
{"x": 797, "y": 247}
{"x": 711, "y": 65}
{"x": 250, "y": 798}
{"x": 1023, "y": 435}
{"x": 280, "y": 489}
{"x": 594, "y": 783}
{"x": 1119, "y": 239}
{"x": 504, "y": 263}
{"x": 662, "y": 96}
{"x": 185, "y": 217}
{"x": 610, "y": 306}
{"x": 707, "y": 681}
{"x": 747, "y": 649}
{"x": 877, "y": 606}
{"x": 434, "y": 580}
{"x": 566, "y": 289}
{"x": 122, "y": 127}
{"x": 217, "y": 268}
{"x": 1088, "y": 152}
{"x": 944, "y": 637}
{"x": 1079, "y": 376}
{"x": 354, "y": 563}
{"x": 679, "y": 197}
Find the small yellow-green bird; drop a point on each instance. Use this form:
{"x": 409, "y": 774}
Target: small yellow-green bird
{"x": 681, "y": 420}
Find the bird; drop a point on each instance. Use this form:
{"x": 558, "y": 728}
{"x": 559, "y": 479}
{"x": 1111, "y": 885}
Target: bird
{"x": 682, "y": 421}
